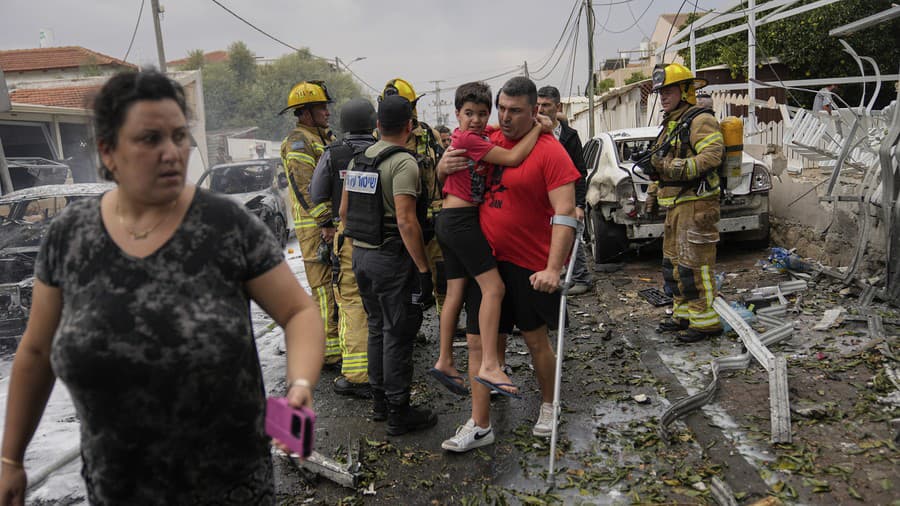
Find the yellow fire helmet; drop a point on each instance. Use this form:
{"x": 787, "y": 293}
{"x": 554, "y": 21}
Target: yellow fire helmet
{"x": 675, "y": 73}
{"x": 402, "y": 87}
{"x": 306, "y": 93}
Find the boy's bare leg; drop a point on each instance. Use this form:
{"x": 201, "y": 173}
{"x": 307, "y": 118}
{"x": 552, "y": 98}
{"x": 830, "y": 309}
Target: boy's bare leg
{"x": 481, "y": 395}
{"x": 492, "y": 291}
{"x": 456, "y": 289}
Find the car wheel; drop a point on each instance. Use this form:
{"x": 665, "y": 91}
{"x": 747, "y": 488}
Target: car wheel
{"x": 609, "y": 241}
{"x": 280, "y": 231}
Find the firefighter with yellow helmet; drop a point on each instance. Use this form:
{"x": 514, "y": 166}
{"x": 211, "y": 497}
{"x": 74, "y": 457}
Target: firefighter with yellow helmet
{"x": 685, "y": 159}
{"x": 426, "y": 147}
{"x": 313, "y": 223}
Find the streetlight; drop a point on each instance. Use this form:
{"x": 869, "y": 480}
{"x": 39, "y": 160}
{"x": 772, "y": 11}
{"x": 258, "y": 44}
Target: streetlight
{"x": 338, "y": 62}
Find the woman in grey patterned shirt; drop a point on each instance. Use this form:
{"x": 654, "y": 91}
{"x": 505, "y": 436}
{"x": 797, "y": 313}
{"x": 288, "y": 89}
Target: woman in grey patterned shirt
{"x": 141, "y": 307}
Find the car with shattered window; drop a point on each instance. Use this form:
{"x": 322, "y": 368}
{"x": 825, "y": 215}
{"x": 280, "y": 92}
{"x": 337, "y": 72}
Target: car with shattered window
{"x": 617, "y": 190}
{"x": 24, "y": 218}
{"x": 259, "y": 185}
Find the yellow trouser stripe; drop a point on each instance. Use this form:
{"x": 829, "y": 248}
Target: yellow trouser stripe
{"x": 304, "y": 222}
{"x": 332, "y": 344}
{"x": 706, "y": 141}
{"x": 708, "y": 289}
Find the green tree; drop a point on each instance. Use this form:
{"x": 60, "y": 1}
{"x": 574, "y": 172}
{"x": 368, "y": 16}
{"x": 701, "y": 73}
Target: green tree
{"x": 195, "y": 61}
{"x": 803, "y": 45}
{"x": 604, "y": 85}
{"x": 635, "y": 77}
{"x": 241, "y": 62}
{"x": 235, "y": 103}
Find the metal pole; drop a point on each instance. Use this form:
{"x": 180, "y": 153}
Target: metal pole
{"x": 693, "y": 53}
{"x": 160, "y": 52}
{"x": 5, "y": 181}
{"x": 751, "y": 65}
{"x": 525, "y": 70}
{"x": 560, "y": 352}
{"x": 589, "y": 12}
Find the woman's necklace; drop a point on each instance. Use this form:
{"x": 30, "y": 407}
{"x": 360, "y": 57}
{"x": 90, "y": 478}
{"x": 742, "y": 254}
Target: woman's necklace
{"x": 139, "y": 236}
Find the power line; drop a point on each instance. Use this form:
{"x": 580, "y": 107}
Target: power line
{"x": 577, "y": 6}
{"x": 618, "y": 2}
{"x": 665, "y": 47}
{"x": 636, "y": 21}
{"x": 283, "y": 43}
{"x": 251, "y": 25}
{"x": 573, "y": 36}
{"x": 574, "y": 53}
{"x": 136, "y": 25}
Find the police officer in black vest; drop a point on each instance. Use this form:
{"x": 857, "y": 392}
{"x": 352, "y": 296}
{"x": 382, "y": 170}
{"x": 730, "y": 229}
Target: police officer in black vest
{"x": 382, "y": 208}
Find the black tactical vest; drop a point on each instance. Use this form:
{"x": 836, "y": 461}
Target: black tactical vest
{"x": 365, "y": 202}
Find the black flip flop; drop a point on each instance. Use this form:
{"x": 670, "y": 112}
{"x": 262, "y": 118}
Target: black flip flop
{"x": 496, "y": 387}
{"x": 449, "y": 381}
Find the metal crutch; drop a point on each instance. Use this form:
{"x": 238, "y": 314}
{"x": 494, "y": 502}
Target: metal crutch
{"x": 560, "y": 336}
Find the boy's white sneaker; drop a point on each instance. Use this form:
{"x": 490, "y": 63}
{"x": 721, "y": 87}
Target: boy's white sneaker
{"x": 544, "y": 425}
{"x": 468, "y": 437}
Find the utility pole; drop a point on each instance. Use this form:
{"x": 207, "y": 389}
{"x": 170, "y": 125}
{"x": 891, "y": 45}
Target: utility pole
{"x": 525, "y": 69}
{"x": 156, "y": 11}
{"x": 438, "y": 103}
{"x": 751, "y": 66}
{"x": 589, "y": 12}
{"x": 5, "y": 181}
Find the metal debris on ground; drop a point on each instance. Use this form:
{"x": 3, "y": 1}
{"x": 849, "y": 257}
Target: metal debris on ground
{"x": 347, "y": 475}
{"x": 687, "y": 405}
{"x": 832, "y": 318}
{"x": 655, "y": 296}
{"x": 776, "y": 367}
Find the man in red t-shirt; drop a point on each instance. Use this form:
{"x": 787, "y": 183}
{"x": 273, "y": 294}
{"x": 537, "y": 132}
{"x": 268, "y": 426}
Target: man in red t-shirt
{"x": 516, "y": 218}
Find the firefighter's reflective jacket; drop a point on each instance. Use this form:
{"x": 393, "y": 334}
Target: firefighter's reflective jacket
{"x": 300, "y": 151}
{"x": 688, "y": 166}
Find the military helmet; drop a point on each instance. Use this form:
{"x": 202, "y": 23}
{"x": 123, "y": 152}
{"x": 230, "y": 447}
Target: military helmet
{"x": 307, "y": 93}
{"x": 358, "y": 115}
{"x": 675, "y": 73}
{"x": 402, "y": 87}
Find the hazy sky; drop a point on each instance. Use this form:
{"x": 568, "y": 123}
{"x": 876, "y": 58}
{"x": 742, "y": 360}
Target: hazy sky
{"x": 454, "y": 41}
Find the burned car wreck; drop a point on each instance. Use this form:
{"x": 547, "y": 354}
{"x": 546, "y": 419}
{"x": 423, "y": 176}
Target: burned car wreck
{"x": 257, "y": 184}
{"x": 24, "y": 218}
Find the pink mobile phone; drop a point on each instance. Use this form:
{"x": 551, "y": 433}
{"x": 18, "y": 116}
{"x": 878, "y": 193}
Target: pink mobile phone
{"x": 292, "y": 426}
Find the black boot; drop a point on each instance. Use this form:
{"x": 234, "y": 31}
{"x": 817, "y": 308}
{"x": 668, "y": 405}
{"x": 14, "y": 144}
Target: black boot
{"x": 672, "y": 325}
{"x": 343, "y": 386}
{"x": 379, "y": 406}
{"x": 403, "y": 418}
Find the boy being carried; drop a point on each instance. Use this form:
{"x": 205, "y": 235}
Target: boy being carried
{"x": 466, "y": 251}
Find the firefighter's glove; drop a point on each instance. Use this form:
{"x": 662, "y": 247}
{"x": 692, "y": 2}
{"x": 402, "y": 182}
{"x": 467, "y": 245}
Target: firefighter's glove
{"x": 651, "y": 206}
{"x": 323, "y": 253}
{"x": 659, "y": 162}
{"x": 674, "y": 169}
{"x": 425, "y": 295}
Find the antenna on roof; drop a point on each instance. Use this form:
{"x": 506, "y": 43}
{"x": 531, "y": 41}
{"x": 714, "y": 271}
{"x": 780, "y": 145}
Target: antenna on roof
{"x": 45, "y": 37}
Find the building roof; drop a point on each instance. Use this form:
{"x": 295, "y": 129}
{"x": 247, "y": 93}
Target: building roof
{"x": 78, "y": 97}
{"x": 671, "y": 19}
{"x": 210, "y": 57}
{"x": 52, "y": 58}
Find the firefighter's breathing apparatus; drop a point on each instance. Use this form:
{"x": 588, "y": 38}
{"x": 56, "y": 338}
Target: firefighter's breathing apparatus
{"x": 732, "y": 134}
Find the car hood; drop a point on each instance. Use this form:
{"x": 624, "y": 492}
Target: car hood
{"x": 244, "y": 198}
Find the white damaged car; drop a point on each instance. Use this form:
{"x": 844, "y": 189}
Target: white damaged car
{"x": 617, "y": 189}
